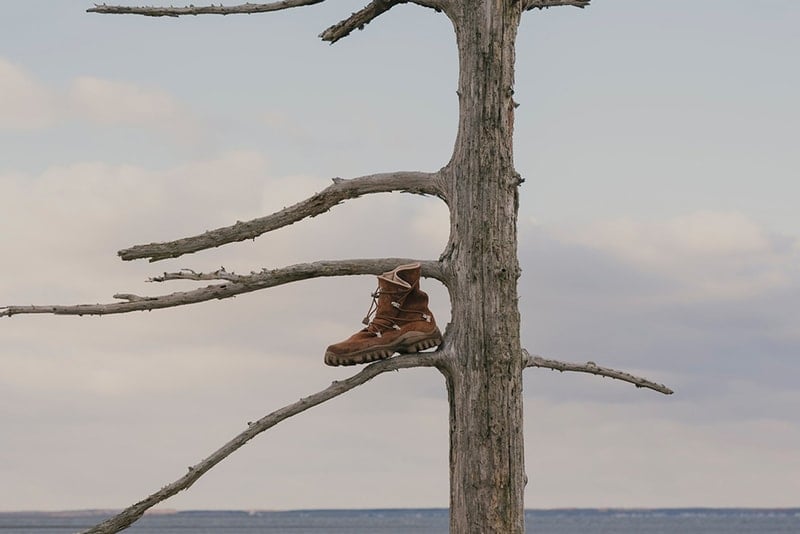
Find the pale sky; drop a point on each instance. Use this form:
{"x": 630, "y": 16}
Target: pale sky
{"x": 659, "y": 234}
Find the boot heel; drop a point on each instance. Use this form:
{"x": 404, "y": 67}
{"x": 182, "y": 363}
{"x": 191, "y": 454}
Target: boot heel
{"x": 420, "y": 345}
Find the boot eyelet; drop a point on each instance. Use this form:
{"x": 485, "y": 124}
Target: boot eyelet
{"x": 395, "y": 327}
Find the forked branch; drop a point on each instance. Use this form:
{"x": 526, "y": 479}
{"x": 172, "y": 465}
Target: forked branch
{"x": 409, "y": 182}
{"x": 545, "y": 4}
{"x": 151, "y": 11}
{"x": 131, "y": 514}
{"x": 233, "y": 285}
{"x": 593, "y": 368}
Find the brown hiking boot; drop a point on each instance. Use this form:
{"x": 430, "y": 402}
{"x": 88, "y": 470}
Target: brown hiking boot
{"x": 401, "y": 323}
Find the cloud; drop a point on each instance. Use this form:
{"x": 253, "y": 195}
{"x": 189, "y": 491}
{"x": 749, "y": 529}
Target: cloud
{"x": 24, "y": 103}
{"x": 27, "y": 104}
{"x": 587, "y": 454}
{"x": 284, "y": 125}
{"x": 710, "y": 254}
{"x": 698, "y": 312}
{"x": 184, "y": 381}
{"x": 69, "y": 220}
{"x": 702, "y": 234}
{"x": 114, "y": 103}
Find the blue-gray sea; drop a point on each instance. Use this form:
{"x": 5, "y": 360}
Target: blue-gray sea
{"x": 423, "y": 521}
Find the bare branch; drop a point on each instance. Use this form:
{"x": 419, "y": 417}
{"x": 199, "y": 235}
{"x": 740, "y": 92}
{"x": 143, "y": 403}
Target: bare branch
{"x": 410, "y": 182}
{"x": 248, "y": 8}
{"x": 234, "y": 285}
{"x": 189, "y": 274}
{"x": 593, "y": 368}
{"x": 359, "y": 19}
{"x": 438, "y": 5}
{"x": 546, "y": 4}
{"x": 430, "y": 269}
{"x": 370, "y": 12}
{"x": 131, "y": 514}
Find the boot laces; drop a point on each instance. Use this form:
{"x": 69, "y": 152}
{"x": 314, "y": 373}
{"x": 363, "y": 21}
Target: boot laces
{"x": 378, "y": 323}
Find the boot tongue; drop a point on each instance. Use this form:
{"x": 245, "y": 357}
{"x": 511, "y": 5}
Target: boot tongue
{"x": 393, "y": 277}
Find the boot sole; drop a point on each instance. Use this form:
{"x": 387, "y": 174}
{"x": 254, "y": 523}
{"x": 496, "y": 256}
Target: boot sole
{"x": 410, "y": 342}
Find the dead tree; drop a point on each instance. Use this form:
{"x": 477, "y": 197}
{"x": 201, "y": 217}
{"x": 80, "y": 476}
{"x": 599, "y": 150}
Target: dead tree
{"x": 481, "y": 357}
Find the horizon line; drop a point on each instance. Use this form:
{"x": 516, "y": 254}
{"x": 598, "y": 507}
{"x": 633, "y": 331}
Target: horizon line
{"x": 170, "y": 511}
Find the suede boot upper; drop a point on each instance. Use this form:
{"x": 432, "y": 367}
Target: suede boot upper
{"x": 399, "y": 320}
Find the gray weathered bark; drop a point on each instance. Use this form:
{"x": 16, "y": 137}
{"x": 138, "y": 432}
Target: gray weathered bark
{"x": 484, "y": 381}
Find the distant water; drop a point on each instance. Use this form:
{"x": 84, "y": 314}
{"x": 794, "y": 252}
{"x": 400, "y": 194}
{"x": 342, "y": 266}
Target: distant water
{"x": 426, "y": 521}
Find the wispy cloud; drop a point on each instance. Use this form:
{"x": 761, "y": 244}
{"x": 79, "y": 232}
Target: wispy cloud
{"x": 285, "y": 126}
{"x": 716, "y": 255}
{"x": 115, "y": 103}
{"x": 28, "y": 104}
{"x": 25, "y": 104}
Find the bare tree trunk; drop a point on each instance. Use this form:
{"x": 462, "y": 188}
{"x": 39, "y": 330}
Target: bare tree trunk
{"x": 487, "y": 475}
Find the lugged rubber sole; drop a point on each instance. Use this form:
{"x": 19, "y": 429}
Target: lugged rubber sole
{"x": 409, "y": 342}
